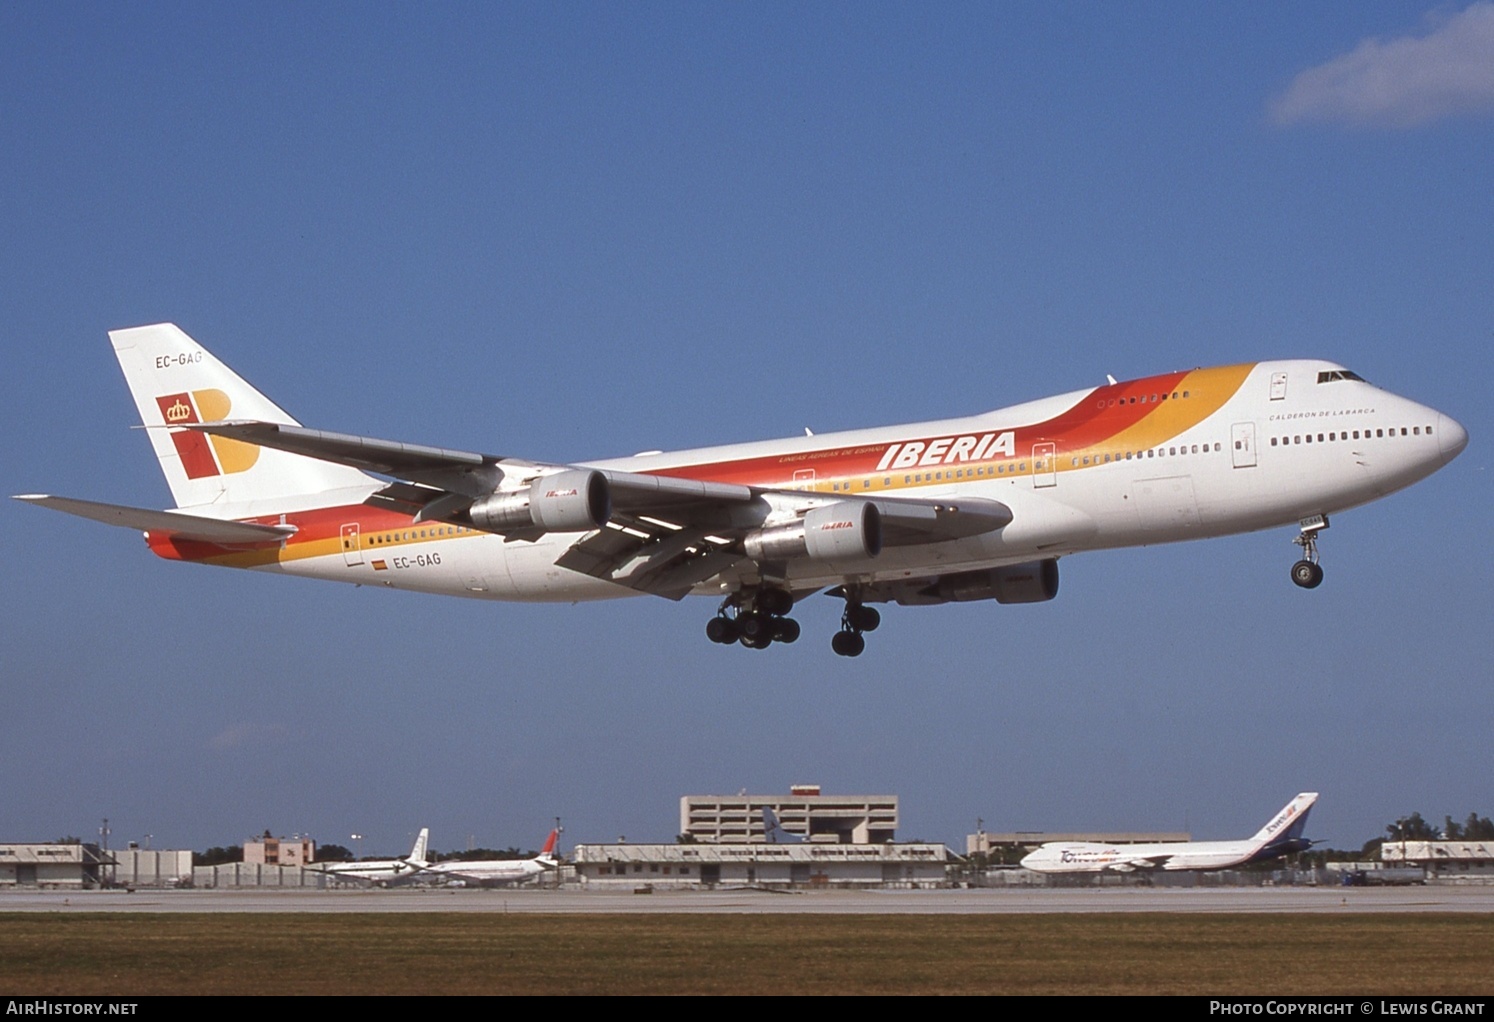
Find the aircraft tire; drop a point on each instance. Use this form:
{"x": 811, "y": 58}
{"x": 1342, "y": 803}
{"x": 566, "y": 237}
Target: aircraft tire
{"x": 775, "y": 601}
{"x": 785, "y": 629}
{"x": 847, "y": 644}
{"x": 863, "y": 619}
{"x": 755, "y": 626}
{"x": 1307, "y": 574}
{"x": 722, "y": 630}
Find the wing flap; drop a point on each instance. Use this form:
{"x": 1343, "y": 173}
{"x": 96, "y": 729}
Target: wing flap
{"x": 207, "y": 530}
{"x": 649, "y": 557}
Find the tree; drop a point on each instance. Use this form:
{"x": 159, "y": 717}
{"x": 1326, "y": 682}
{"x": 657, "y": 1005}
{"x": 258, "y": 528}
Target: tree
{"x": 218, "y": 856}
{"x": 1411, "y": 828}
{"x": 333, "y": 853}
{"x": 1478, "y": 828}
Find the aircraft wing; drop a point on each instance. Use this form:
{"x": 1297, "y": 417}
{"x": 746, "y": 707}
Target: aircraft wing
{"x": 1142, "y": 862}
{"x": 182, "y": 526}
{"x": 663, "y": 535}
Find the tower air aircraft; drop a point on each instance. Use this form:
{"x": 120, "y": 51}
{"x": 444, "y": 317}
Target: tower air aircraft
{"x": 975, "y": 508}
{"x": 1282, "y": 835}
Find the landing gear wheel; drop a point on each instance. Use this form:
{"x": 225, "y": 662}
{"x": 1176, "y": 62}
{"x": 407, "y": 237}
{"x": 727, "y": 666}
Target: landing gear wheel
{"x": 861, "y": 618}
{"x": 755, "y": 626}
{"x": 775, "y": 602}
{"x": 1307, "y": 574}
{"x": 754, "y": 618}
{"x": 848, "y": 643}
{"x": 722, "y": 630}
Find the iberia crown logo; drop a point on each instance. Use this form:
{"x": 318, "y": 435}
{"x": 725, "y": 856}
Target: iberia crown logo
{"x": 203, "y": 455}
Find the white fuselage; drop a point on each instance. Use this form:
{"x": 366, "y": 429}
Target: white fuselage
{"x": 1096, "y": 857}
{"x": 1227, "y": 450}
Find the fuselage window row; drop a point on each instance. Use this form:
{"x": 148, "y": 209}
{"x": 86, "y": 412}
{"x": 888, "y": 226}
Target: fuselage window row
{"x": 1379, "y": 434}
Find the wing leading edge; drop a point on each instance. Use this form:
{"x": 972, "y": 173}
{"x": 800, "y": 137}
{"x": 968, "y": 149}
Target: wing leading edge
{"x": 657, "y": 534}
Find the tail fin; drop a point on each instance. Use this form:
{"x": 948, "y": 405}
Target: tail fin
{"x": 1284, "y": 832}
{"x": 773, "y": 831}
{"x": 174, "y": 379}
{"x": 417, "y": 854}
{"x": 549, "y": 848}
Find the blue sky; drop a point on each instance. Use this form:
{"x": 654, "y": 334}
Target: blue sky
{"x": 573, "y": 231}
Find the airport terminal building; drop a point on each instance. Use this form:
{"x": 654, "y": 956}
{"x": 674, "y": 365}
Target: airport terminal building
{"x": 53, "y": 864}
{"x": 812, "y": 865}
{"x": 825, "y": 841}
{"x": 1444, "y": 861}
{"x": 806, "y": 812}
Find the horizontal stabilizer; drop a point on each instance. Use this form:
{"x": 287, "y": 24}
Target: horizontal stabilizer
{"x": 208, "y": 530}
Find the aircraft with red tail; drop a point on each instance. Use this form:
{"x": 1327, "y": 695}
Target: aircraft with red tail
{"x": 975, "y": 508}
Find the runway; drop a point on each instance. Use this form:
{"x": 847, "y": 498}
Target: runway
{"x": 1297, "y": 900}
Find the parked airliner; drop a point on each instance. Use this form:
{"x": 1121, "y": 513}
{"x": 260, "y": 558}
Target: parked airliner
{"x": 1281, "y": 836}
{"x": 974, "y": 508}
{"x": 494, "y": 871}
{"x": 380, "y": 871}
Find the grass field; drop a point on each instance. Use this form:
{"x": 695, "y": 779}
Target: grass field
{"x": 745, "y": 954}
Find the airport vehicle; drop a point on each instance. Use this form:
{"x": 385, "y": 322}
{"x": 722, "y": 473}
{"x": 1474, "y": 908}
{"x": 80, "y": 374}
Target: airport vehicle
{"x": 974, "y": 508}
{"x": 380, "y": 872}
{"x": 1281, "y": 836}
{"x": 484, "y": 872}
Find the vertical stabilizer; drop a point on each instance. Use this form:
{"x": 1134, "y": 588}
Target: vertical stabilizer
{"x": 417, "y": 854}
{"x": 1285, "y": 828}
{"x": 549, "y": 849}
{"x": 773, "y": 832}
{"x": 175, "y": 380}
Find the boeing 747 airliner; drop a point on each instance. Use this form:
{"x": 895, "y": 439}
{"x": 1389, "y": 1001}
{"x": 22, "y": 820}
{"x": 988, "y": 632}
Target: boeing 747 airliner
{"x": 1282, "y": 835}
{"x": 974, "y": 508}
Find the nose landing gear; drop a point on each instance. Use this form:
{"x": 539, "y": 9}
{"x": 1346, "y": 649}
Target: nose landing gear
{"x": 1307, "y": 573}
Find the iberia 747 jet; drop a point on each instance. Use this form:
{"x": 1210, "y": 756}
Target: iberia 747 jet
{"x": 974, "y": 508}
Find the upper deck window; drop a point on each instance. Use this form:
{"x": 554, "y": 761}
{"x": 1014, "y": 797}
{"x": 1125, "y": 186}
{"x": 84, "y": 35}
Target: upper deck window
{"x": 1329, "y": 375}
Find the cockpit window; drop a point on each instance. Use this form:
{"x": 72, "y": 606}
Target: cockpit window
{"x": 1328, "y": 376}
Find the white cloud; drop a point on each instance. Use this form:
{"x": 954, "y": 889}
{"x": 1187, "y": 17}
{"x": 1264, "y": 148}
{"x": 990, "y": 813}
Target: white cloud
{"x": 1401, "y": 82}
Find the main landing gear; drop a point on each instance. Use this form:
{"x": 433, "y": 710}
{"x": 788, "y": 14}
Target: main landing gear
{"x": 857, "y": 618}
{"x": 1307, "y": 573}
{"x": 759, "y": 619}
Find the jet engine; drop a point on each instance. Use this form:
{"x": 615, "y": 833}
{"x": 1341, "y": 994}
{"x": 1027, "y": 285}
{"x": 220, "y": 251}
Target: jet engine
{"x": 576, "y": 500}
{"x": 840, "y": 531}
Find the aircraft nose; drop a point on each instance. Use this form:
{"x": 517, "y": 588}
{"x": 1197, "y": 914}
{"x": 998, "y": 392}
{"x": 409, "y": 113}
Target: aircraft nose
{"x": 1451, "y": 437}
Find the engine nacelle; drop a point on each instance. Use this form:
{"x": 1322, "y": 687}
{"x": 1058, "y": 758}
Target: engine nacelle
{"x": 576, "y": 500}
{"x": 841, "y": 531}
{"x": 1032, "y": 582}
